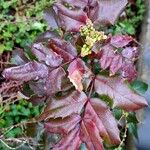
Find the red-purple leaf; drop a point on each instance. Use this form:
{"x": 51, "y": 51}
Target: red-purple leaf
{"x": 95, "y": 124}
{"x": 63, "y": 48}
{"x": 69, "y": 142}
{"x": 49, "y": 85}
{"x": 120, "y": 41}
{"x": 91, "y": 115}
{"x": 36, "y": 100}
{"x": 79, "y": 74}
{"x": 106, "y": 11}
{"x": 38, "y": 87}
{"x": 76, "y": 72}
{"x": 128, "y": 71}
{"x": 46, "y": 55}
{"x": 19, "y": 57}
{"x": 51, "y": 18}
{"x": 70, "y": 19}
{"x": 130, "y": 53}
{"x": 119, "y": 92}
{"x": 107, "y": 56}
{"x": 89, "y": 134}
{"x": 30, "y": 71}
{"x": 105, "y": 115}
{"x": 76, "y": 3}
{"x": 116, "y": 64}
{"x": 44, "y": 37}
{"x": 97, "y": 112}
{"x": 64, "y": 106}
{"x": 110, "y": 59}
{"x": 62, "y": 126}
{"x": 54, "y": 81}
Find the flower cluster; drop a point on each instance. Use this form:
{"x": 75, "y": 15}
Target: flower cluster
{"x": 91, "y": 36}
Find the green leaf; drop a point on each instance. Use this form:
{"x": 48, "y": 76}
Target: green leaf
{"x": 38, "y": 26}
{"x": 132, "y": 118}
{"x": 106, "y": 99}
{"x": 132, "y": 128}
{"x": 117, "y": 113}
{"x": 82, "y": 147}
{"x": 2, "y": 48}
{"x": 139, "y": 86}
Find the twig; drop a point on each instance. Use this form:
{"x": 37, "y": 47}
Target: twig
{"x": 12, "y": 148}
{"x": 125, "y": 131}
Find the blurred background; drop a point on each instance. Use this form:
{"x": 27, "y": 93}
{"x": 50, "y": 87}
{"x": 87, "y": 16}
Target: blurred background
{"x": 21, "y": 21}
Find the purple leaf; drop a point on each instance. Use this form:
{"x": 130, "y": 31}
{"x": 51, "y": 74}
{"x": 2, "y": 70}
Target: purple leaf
{"x": 107, "y": 56}
{"x": 30, "y": 71}
{"x": 46, "y": 55}
{"x": 19, "y": 57}
{"x": 107, "y": 119}
{"x": 119, "y": 92}
{"x": 49, "y": 85}
{"x": 62, "y": 126}
{"x": 38, "y": 87}
{"x": 69, "y": 142}
{"x": 65, "y": 49}
{"x": 90, "y": 135}
{"x": 70, "y": 19}
{"x": 44, "y": 37}
{"x": 106, "y": 11}
{"x": 120, "y": 41}
{"x": 64, "y": 106}
{"x": 128, "y": 71}
{"x": 51, "y": 18}
{"x": 76, "y": 72}
{"x": 116, "y": 64}
{"x": 130, "y": 53}
{"x": 54, "y": 81}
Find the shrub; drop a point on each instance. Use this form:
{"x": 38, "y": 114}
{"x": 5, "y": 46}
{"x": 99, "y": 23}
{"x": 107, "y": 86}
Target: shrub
{"x": 84, "y": 75}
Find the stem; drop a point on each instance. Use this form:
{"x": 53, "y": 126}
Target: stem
{"x": 91, "y": 89}
{"x": 125, "y": 131}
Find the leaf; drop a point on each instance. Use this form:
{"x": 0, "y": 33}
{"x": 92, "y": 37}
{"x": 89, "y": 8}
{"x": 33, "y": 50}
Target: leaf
{"x": 36, "y": 100}
{"x": 70, "y": 141}
{"x": 107, "y": 56}
{"x": 54, "y": 81}
{"x": 120, "y": 41}
{"x": 2, "y": 48}
{"x": 110, "y": 60}
{"x": 62, "y": 126}
{"x": 49, "y": 85}
{"x": 98, "y": 112}
{"x": 30, "y": 71}
{"x": 139, "y": 86}
{"x": 120, "y": 93}
{"x": 65, "y": 49}
{"x": 70, "y": 19}
{"x": 90, "y": 135}
{"x": 64, "y": 106}
{"x": 46, "y": 55}
{"x": 113, "y": 8}
{"x": 38, "y": 87}
{"x": 70, "y": 15}
{"x": 133, "y": 129}
{"x": 130, "y": 53}
{"x": 132, "y": 118}
{"x": 116, "y": 64}
{"x": 44, "y": 37}
{"x": 51, "y": 18}
{"x": 19, "y": 57}
{"x": 128, "y": 71}
{"x": 76, "y": 72}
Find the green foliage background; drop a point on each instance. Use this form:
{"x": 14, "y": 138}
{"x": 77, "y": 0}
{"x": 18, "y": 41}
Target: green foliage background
{"x": 20, "y": 22}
